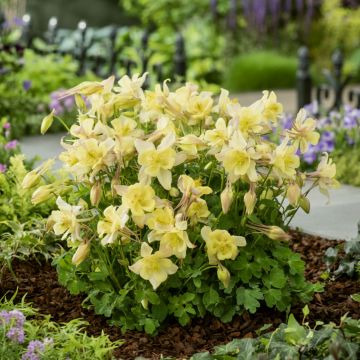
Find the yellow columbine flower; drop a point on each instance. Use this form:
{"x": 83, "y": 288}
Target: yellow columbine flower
{"x": 88, "y": 128}
{"x": 303, "y": 131}
{"x": 325, "y": 174}
{"x": 188, "y": 186}
{"x": 173, "y": 237}
{"x": 125, "y": 132}
{"x": 197, "y": 211}
{"x": 199, "y": 107}
{"x": 221, "y": 245}
{"x": 247, "y": 119}
{"x": 95, "y": 154}
{"x": 131, "y": 88}
{"x": 191, "y": 144}
{"x": 157, "y": 162}
{"x": 238, "y": 159}
{"x": 125, "y": 126}
{"x": 224, "y": 101}
{"x": 175, "y": 243}
{"x": 218, "y": 137}
{"x": 139, "y": 198}
{"x": 285, "y": 160}
{"x": 272, "y": 108}
{"x": 115, "y": 219}
{"x": 153, "y": 267}
{"x": 65, "y": 220}
{"x": 161, "y": 219}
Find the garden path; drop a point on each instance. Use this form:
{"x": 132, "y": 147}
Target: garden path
{"x": 336, "y": 219}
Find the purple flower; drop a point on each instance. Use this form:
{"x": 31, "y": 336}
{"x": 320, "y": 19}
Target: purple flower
{"x": 69, "y": 103}
{"x": 7, "y": 125}
{"x": 11, "y": 145}
{"x": 349, "y": 140}
{"x": 327, "y": 141}
{"x": 27, "y": 84}
{"x": 16, "y": 320}
{"x": 34, "y": 349}
{"x": 3, "y": 168}
{"x": 349, "y": 122}
{"x": 287, "y": 121}
{"x": 18, "y": 21}
{"x": 16, "y": 334}
{"x": 17, "y": 315}
{"x": 312, "y": 108}
{"x": 311, "y": 155}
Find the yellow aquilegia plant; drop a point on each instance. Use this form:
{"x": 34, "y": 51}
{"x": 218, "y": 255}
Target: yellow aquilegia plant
{"x": 175, "y": 203}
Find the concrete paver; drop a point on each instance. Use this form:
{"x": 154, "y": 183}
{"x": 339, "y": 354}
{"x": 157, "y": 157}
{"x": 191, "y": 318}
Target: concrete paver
{"x": 334, "y": 220}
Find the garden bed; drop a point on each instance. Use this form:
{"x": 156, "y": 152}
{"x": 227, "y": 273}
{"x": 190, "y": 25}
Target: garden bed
{"x": 39, "y": 282}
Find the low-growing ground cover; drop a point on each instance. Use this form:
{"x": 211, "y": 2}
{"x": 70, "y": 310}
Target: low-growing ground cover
{"x": 39, "y": 282}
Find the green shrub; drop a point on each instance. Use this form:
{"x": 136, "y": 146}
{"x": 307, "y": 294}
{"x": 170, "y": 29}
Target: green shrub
{"x": 261, "y": 70}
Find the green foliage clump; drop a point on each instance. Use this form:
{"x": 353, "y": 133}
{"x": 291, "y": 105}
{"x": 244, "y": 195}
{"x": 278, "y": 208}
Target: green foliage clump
{"x": 60, "y": 341}
{"x": 22, "y": 228}
{"x": 265, "y": 273}
{"x": 344, "y": 259}
{"x": 260, "y": 70}
{"x": 24, "y": 107}
{"x": 348, "y": 166}
{"x": 295, "y": 341}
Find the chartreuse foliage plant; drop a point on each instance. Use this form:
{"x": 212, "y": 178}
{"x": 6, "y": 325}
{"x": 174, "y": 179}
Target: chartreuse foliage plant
{"x": 22, "y": 225}
{"x": 177, "y": 203}
{"x": 22, "y": 336}
{"x": 295, "y": 341}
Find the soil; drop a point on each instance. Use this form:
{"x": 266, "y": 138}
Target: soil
{"x": 39, "y": 282}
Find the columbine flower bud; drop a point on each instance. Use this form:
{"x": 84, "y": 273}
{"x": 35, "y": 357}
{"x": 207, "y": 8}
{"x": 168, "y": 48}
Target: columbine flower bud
{"x": 30, "y": 179}
{"x": 47, "y": 122}
{"x": 304, "y": 203}
{"x": 41, "y": 194}
{"x": 33, "y": 177}
{"x": 145, "y": 303}
{"x": 81, "y": 253}
{"x": 95, "y": 194}
{"x": 80, "y": 103}
{"x": 174, "y": 192}
{"x": 49, "y": 223}
{"x": 223, "y": 275}
{"x": 277, "y": 233}
{"x": 250, "y": 200}
{"x": 293, "y": 193}
{"x": 226, "y": 197}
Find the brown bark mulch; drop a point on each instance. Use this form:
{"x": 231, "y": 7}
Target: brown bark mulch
{"x": 40, "y": 284}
